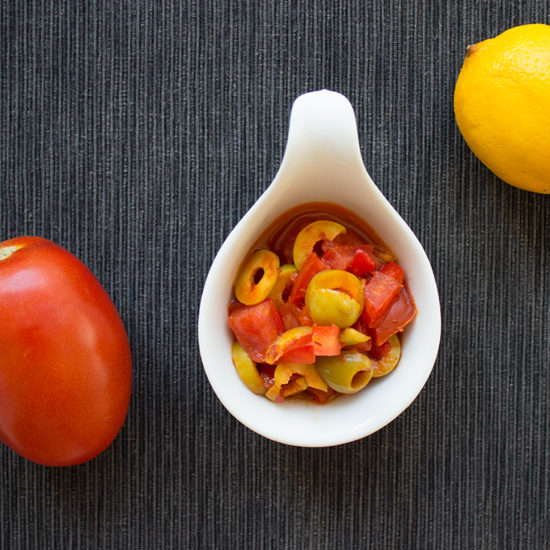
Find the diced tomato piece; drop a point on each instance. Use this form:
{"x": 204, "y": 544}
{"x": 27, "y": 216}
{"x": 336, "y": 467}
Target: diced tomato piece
{"x": 293, "y": 316}
{"x": 256, "y": 328}
{"x": 394, "y": 270}
{"x": 267, "y": 373}
{"x": 380, "y": 292}
{"x": 295, "y": 339}
{"x": 361, "y": 264}
{"x": 311, "y": 267}
{"x": 290, "y": 315}
{"x": 339, "y": 257}
{"x": 303, "y": 355}
{"x": 325, "y": 340}
{"x": 400, "y": 314}
{"x": 321, "y": 396}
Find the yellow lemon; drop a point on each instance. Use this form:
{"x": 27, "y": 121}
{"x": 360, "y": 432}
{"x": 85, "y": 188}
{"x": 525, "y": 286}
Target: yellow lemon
{"x": 502, "y": 105}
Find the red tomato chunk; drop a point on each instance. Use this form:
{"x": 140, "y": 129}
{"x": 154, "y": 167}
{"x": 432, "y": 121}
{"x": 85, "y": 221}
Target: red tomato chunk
{"x": 311, "y": 267}
{"x": 380, "y": 292}
{"x": 290, "y": 315}
{"x": 339, "y": 257}
{"x": 304, "y": 355}
{"x": 362, "y": 263}
{"x": 399, "y": 315}
{"x": 325, "y": 340}
{"x": 394, "y": 270}
{"x": 256, "y": 327}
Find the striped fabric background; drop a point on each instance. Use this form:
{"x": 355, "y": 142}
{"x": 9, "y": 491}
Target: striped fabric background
{"x": 136, "y": 134}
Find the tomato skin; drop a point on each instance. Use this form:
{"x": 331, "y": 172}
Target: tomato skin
{"x": 65, "y": 362}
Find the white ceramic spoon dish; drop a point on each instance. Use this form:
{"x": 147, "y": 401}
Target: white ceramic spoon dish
{"x": 322, "y": 162}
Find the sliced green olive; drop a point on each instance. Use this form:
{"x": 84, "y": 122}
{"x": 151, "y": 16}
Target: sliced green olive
{"x": 281, "y": 289}
{"x": 257, "y": 277}
{"x": 389, "y": 360}
{"x": 331, "y": 307}
{"x": 284, "y": 372}
{"x": 296, "y": 385}
{"x": 310, "y": 235}
{"x": 338, "y": 279}
{"x": 352, "y": 337}
{"x": 247, "y": 369}
{"x": 334, "y": 297}
{"x": 347, "y": 373}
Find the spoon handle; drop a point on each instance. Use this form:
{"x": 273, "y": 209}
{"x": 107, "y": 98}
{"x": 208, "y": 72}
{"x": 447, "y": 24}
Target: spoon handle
{"x": 322, "y": 122}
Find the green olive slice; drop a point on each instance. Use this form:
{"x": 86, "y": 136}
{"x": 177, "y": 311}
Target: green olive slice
{"x": 257, "y": 277}
{"x": 246, "y": 369}
{"x": 389, "y": 361}
{"x": 331, "y": 307}
{"x": 352, "y": 337}
{"x": 277, "y": 393}
{"x": 334, "y": 297}
{"x": 346, "y": 373}
{"x": 310, "y": 235}
{"x": 281, "y": 289}
{"x": 284, "y": 372}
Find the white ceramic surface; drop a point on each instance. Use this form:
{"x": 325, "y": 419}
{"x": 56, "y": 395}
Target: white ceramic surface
{"x": 322, "y": 162}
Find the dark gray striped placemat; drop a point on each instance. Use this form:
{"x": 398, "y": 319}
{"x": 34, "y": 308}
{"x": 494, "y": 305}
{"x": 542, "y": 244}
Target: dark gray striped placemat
{"x": 136, "y": 134}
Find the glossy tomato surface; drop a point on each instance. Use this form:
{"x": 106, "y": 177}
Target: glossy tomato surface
{"x": 65, "y": 363}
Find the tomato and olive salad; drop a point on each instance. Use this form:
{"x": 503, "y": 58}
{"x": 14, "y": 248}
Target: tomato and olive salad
{"x": 318, "y": 306}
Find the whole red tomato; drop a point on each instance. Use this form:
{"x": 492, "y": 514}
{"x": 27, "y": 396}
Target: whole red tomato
{"x": 65, "y": 364}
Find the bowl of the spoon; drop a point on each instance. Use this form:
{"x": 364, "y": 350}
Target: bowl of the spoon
{"x": 322, "y": 162}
